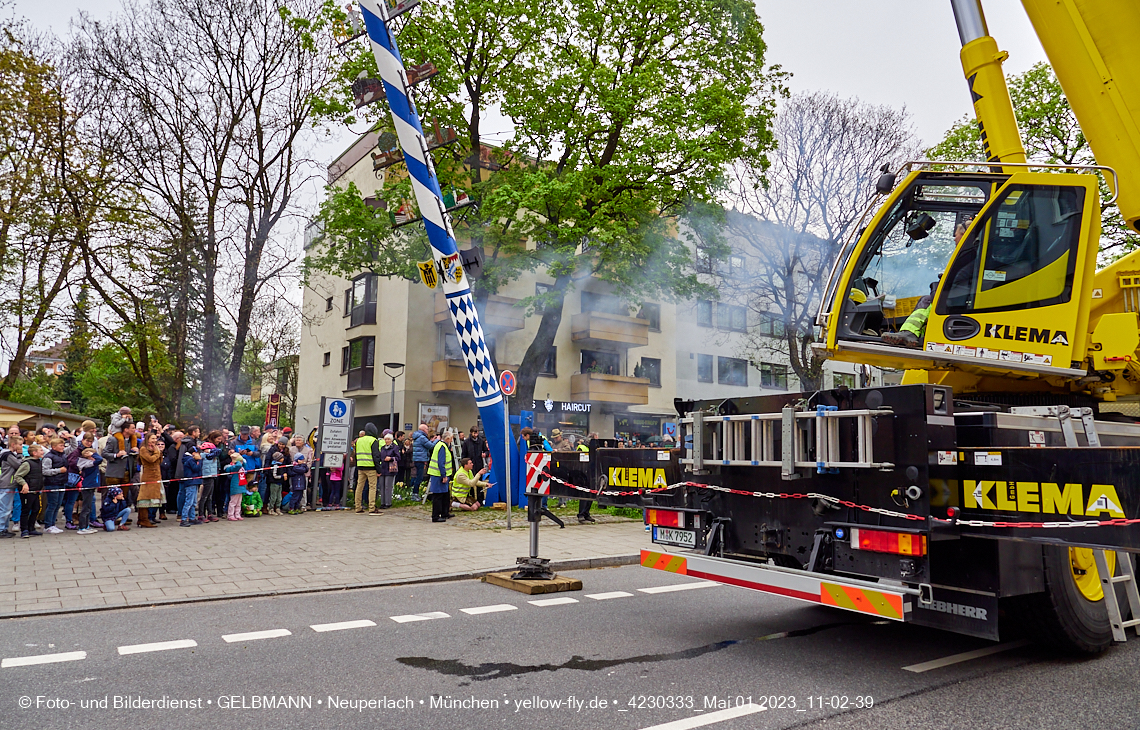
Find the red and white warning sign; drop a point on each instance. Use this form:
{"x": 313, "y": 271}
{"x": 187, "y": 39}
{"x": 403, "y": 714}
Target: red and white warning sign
{"x": 536, "y": 463}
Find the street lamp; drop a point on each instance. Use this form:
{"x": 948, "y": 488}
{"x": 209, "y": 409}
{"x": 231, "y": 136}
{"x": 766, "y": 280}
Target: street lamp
{"x": 393, "y": 371}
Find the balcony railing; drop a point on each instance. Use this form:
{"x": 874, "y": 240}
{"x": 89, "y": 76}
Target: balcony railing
{"x": 601, "y": 329}
{"x": 600, "y": 388}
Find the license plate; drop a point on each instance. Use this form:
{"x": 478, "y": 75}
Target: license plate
{"x": 670, "y": 536}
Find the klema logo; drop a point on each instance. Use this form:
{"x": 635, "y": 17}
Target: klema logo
{"x": 1026, "y": 334}
{"x": 1043, "y": 497}
{"x": 620, "y": 476}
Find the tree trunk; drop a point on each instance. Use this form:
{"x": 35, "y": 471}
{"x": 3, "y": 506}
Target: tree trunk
{"x": 541, "y": 344}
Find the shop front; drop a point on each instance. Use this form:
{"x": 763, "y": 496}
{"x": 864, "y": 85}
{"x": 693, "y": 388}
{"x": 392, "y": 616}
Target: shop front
{"x": 637, "y": 429}
{"x": 570, "y": 417}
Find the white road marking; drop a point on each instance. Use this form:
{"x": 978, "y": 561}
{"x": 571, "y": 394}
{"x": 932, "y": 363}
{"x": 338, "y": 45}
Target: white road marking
{"x": 342, "y": 625}
{"x": 607, "y": 596}
{"x": 680, "y": 587}
{"x": 489, "y": 609}
{"x": 709, "y": 719}
{"x": 965, "y": 656}
{"x": 255, "y": 635}
{"x": 157, "y": 646}
{"x": 27, "y": 661}
{"x": 419, "y": 617}
{"x": 553, "y": 601}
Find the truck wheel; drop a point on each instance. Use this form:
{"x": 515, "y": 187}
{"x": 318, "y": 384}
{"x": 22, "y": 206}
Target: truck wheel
{"x": 1070, "y": 614}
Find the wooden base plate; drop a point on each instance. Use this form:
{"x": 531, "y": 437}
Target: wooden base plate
{"x": 533, "y": 587}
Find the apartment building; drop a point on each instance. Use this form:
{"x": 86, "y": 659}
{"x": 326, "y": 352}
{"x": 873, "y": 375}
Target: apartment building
{"x": 614, "y": 369}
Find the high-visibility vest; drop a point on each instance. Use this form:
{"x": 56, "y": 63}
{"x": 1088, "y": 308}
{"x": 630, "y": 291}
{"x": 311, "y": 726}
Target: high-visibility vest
{"x": 433, "y": 465}
{"x": 461, "y": 491}
{"x": 583, "y": 447}
{"x": 364, "y": 452}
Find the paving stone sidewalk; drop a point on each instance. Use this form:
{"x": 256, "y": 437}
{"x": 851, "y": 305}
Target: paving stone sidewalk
{"x": 269, "y": 554}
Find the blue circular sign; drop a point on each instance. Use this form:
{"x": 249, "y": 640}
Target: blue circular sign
{"x": 507, "y": 382}
{"x": 337, "y": 409}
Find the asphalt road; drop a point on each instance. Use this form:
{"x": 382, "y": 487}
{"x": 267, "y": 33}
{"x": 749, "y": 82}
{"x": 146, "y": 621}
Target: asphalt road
{"x": 717, "y": 657}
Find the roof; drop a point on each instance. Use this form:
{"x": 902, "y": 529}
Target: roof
{"x": 55, "y": 352}
{"x": 46, "y": 411}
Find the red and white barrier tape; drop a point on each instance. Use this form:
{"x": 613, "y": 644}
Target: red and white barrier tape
{"x": 852, "y": 505}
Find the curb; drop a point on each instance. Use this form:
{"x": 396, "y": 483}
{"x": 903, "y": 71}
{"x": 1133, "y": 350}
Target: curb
{"x": 606, "y": 561}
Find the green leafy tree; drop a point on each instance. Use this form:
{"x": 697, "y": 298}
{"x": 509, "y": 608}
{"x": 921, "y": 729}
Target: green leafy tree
{"x": 625, "y": 115}
{"x": 1051, "y": 134}
{"x": 77, "y": 354}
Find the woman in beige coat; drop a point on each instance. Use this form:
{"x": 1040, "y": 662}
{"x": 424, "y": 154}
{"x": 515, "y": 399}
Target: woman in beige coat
{"x": 151, "y": 495}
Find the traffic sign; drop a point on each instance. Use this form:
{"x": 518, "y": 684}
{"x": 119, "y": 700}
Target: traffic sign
{"x": 336, "y": 412}
{"x": 335, "y": 439}
{"x": 507, "y": 382}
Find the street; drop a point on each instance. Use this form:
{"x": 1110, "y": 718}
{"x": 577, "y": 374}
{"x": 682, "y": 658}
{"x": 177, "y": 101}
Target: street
{"x": 635, "y": 649}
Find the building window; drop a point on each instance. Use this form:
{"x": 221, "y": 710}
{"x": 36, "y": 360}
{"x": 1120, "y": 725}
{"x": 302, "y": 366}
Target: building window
{"x": 539, "y": 290}
{"x": 448, "y": 343}
{"x": 651, "y": 368}
{"x": 652, "y": 313}
{"x": 773, "y": 376}
{"x": 704, "y": 368}
{"x": 704, "y": 313}
{"x": 732, "y": 318}
{"x": 347, "y": 311}
{"x": 328, "y": 359}
{"x": 329, "y": 304}
{"x": 704, "y": 260}
{"x": 596, "y": 361}
{"x": 770, "y": 325}
{"x": 358, "y": 361}
{"x": 363, "y": 300}
{"x": 549, "y": 364}
{"x": 735, "y": 265}
{"x": 841, "y": 379}
{"x": 606, "y": 303}
{"x": 731, "y": 371}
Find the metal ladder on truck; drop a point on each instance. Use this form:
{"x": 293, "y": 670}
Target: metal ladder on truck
{"x": 1065, "y": 417}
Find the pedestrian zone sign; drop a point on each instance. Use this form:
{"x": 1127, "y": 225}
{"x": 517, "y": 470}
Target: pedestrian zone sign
{"x": 336, "y": 412}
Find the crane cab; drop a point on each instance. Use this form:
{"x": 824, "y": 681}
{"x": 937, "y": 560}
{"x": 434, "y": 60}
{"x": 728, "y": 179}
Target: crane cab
{"x": 975, "y": 273}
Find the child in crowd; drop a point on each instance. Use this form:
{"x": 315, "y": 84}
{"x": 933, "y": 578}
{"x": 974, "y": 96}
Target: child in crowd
{"x": 278, "y": 478}
{"x": 297, "y": 474}
{"x": 88, "y": 464}
{"x": 114, "y": 510}
{"x": 251, "y": 503}
{"x": 336, "y": 488}
{"x": 237, "y": 489}
{"x": 120, "y": 419}
{"x": 29, "y": 479}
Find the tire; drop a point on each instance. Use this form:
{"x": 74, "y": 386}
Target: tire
{"x": 1062, "y": 617}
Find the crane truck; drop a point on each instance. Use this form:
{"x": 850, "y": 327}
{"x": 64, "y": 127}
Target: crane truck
{"x": 988, "y": 489}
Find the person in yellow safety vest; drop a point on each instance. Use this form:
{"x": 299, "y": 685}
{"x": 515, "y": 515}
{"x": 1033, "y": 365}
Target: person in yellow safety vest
{"x": 912, "y": 331}
{"x": 465, "y": 488}
{"x": 439, "y": 470}
{"x": 584, "y": 504}
{"x": 367, "y": 456}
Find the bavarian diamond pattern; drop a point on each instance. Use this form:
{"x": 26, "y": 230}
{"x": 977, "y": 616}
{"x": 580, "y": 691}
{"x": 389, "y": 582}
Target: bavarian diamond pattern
{"x": 475, "y": 355}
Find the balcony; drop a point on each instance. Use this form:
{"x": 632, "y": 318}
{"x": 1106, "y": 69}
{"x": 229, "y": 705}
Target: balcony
{"x": 600, "y": 388}
{"x": 449, "y": 376}
{"x": 502, "y": 313}
{"x": 603, "y": 330}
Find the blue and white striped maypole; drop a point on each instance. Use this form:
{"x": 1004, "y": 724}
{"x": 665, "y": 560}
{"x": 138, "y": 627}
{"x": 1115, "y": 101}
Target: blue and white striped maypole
{"x": 484, "y": 382}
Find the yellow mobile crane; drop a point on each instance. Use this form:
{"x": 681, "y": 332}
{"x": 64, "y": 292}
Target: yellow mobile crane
{"x": 986, "y": 487}
{"x": 1018, "y": 306}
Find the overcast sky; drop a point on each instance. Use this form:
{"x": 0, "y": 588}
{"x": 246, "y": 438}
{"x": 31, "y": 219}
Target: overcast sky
{"x": 896, "y": 52}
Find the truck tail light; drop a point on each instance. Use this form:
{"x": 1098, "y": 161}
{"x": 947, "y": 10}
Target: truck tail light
{"x": 880, "y": 541}
{"x": 664, "y": 518}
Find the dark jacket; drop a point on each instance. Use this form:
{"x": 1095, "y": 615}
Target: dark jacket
{"x": 389, "y": 468}
{"x": 30, "y": 473}
{"x": 55, "y": 476}
{"x": 191, "y": 468}
{"x": 297, "y": 473}
{"x": 111, "y": 509}
{"x": 473, "y": 449}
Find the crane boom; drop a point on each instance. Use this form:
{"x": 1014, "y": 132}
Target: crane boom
{"x": 1092, "y": 47}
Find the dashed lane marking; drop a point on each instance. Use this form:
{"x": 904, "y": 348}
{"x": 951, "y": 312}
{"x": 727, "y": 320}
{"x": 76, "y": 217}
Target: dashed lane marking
{"x": 965, "y": 656}
{"x": 419, "y": 617}
{"x": 255, "y": 635}
{"x": 607, "y": 596}
{"x": 553, "y": 601}
{"x": 157, "y": 646}
{"x": 680, "y": 587}
{"x": 27, "y": 661}
{"x": 489, "y": 609}
{"x": 710, "y": 719}
{"x": 342, "y": 625}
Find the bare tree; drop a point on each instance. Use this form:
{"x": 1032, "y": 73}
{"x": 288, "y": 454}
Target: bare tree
{"x": 206, "y": 103}
{"x": 793, "y": 215}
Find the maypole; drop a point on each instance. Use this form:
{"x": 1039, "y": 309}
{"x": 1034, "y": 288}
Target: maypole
{"x": 429, "y": 198}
